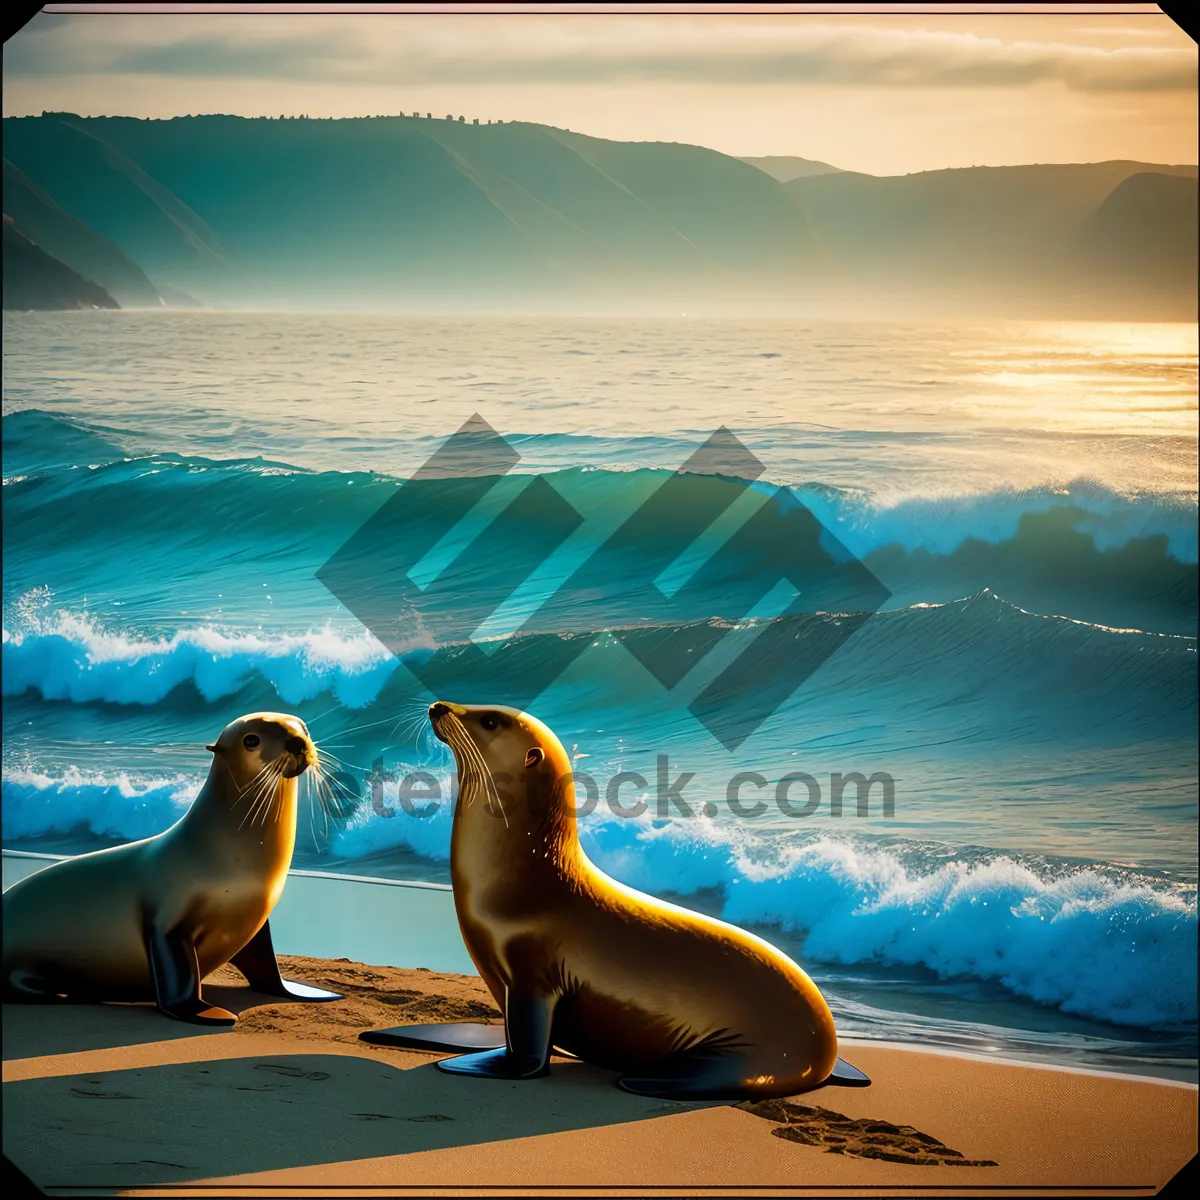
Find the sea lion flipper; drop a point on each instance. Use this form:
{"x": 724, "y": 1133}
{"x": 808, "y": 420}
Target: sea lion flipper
{"x": 527, "y": 1022}
{"x": 176, "y": 974}
{"x": 445, "y": 1038}
{"x": 256, "y": 960}
{"x": 27, "y": 987}
{"x": 701, "y": 1074}
{"x": 713, "y": 1074}
{"x": 844, "y": 1075}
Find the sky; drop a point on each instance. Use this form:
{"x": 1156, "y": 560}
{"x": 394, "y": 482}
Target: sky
{"x": 885, "y": 89}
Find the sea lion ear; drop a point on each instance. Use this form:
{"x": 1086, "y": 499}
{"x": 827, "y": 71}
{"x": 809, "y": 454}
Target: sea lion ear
{"x": 534, "y": 755}
{"x": 212, "y": 749}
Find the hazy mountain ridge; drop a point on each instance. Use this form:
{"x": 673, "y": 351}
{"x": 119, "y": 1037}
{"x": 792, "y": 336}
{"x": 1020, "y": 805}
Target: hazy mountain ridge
{"x": 1001, "y": 232}
{"x": 1149, "y": 220}
{"x": 786, "y": 167}
{"x": 411, "y": 213}
{"x": 95, "y": 182}
{"x": 381, "y": 208}
{"x": 34, "y": 279}
{"x": 71, "y": 241}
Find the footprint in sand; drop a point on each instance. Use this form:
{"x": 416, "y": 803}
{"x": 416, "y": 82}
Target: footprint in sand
{"x": 863, "y": 1137}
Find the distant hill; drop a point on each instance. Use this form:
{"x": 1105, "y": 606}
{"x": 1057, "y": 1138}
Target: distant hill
{"x": 994, "y": 235}
{"x": 116, "y": 197}
{"x": 413, "y": 214}
{"x": 68, "y": 239}
{"x": 1147, "y": 225}
{"x": 380, "y": 209}
{"x": 35, "y": 280}
{"x": 786, "y": 168}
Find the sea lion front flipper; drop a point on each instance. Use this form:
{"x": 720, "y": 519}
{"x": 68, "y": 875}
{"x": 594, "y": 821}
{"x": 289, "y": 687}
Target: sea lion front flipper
{"x": 256, "y": 960}
{"x": 176, "y": 975}
{"x": 526, "y": 1055}
{"x": 844, "y": 1075}
{"x": 441, "y": 1039}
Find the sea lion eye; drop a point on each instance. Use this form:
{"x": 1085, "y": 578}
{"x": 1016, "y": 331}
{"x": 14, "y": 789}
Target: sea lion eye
{"x": 489, "y": 723}
{"x": 251, "y": 740}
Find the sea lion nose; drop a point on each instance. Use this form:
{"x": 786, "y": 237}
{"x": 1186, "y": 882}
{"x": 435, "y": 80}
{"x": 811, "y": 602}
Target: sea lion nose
{"x": 295, "y": 745}
{"x": 438, "y": 709}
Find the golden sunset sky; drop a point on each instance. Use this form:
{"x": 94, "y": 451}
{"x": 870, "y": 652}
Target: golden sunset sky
{"x": 886, "y": 89}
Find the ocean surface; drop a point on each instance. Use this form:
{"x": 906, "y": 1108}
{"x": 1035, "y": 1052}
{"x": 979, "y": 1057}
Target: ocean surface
{"x": 1025, "y": 495}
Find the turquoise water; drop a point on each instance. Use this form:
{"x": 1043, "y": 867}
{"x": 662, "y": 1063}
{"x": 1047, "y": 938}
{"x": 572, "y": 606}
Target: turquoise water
{"x": 1024, "y": 493}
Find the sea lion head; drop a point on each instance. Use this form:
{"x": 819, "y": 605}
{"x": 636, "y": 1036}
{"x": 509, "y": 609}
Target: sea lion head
{"x": 506, "y": 757}
{"x": 252, "y": 744}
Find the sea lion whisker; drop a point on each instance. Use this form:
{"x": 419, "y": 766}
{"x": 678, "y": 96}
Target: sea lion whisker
{"x": 332, "y": 783}
{"x": 319, "y": 789}
{"x": 252, "y": 810}
{"x": 490, "y": 783}
{"x": 245, "y": 790}
{"x": 334, "y": 766}
{"x": 335, "y": 708}
{"x": 277, "y": 801}
{"x": 268, "y": 802}
{"x": 473, "y": 752}
{"x": 411, "y": 721}
{"x": 325, "y": 752}
{"x": 263, "y": 777}
{"x": 274, "y": 804}
{"x": 261, "y": 797}
{"x": 253, "y": 787}
{"x": 465, "y": 765}
{"x": 323, "y": 791}
{"x": 412, "y": 726}
{"x": 312, "y": 787}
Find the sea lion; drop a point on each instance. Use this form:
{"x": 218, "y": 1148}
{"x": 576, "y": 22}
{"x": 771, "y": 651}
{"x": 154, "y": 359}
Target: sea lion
{"x": 149, "y": 920}
{"x": 683, "y": 1005}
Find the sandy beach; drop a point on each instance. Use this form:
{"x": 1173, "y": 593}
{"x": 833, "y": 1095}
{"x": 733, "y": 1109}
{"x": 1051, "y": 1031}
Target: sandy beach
{"x": 116, "y": 1099}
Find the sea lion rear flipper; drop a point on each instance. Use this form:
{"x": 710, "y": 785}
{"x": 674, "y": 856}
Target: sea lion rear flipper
{"x": 256, "y": 960}
{"x": 526, "y": 1054}
{"x": 705, "y": 1073}
{"x": 176, "y": 975}
{"x": 718, "y": 1075}
{"x": 26, "y": 987}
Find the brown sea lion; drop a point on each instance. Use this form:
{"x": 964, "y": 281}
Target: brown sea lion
{"x": 683, "y": 1005}
{"x": 149, "y": 920}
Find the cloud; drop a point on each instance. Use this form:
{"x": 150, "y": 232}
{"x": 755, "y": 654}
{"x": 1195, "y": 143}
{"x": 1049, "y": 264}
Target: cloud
{"x": 553, "y": 50}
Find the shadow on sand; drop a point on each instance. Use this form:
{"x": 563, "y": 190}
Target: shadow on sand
{"x": 35, "y": 1030}
{"x": 183, "y": 1121}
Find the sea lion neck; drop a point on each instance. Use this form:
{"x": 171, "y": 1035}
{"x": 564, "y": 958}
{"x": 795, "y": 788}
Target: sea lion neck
{"x": 515, "y": 832}
{"x": 224, "y": 808}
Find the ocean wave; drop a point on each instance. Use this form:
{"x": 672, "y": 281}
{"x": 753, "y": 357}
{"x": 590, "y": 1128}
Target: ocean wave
{"x": 37, "y": 804}
{"x": 68, "y": 656}
{"x": 86, "y": 462}
{"x": 1093, "y": 941}
{"x": 1081, "y": 941}
{"x": 941, "y": 525}
{"x": 1041, "y": 660}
